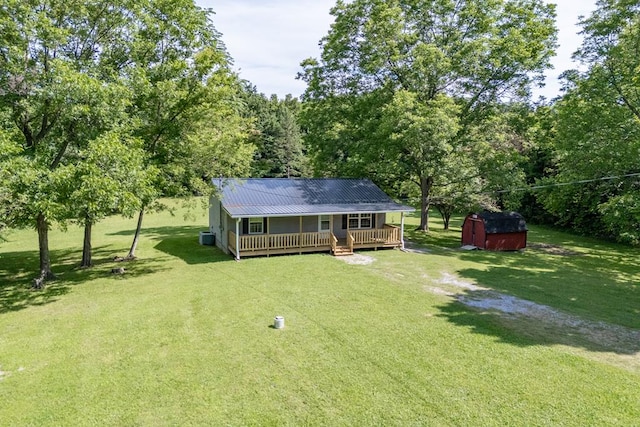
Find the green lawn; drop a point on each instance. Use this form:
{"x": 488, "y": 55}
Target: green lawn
{"x": 185, "y": 336}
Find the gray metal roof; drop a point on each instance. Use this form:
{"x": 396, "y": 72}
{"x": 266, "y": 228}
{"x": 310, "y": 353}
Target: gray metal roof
{"x": 259, "y": 197}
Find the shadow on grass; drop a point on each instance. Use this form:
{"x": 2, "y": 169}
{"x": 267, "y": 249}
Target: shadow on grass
{"x": 588, "y": 299}
{"x": 162, "y": 232}
{"x": 593, "y": 286}
{"x": 444, "y": 239}
{"x": 20, "y": 268}
{"x": 188, "y": 249}
{"x": 436, "y": 236}
{"x": 483, "y": 323}
{"x": 538, "y": 325}
{"x": 584, "y": 292}
{"x": 181, "y": 242}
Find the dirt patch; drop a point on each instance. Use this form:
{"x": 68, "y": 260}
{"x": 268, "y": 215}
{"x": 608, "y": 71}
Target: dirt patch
{"x": 451, "y": 280}
{"x": 552, "y": 249}
{"x": 414, "y": 248}
{"x": 607, "y": 336}
{"x": 451, "y": 285}
{"x": 356, "y": 259}
{"x": 612, "y": 337}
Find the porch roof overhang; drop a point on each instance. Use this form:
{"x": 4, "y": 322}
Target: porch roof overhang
{"x": 244, "y": 211}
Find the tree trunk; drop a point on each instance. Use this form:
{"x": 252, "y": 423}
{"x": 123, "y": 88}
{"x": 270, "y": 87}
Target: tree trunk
{"x": 86, "y": 246}
{"x": 136, "y": 237}
{"x": 445, "y": 213}
{"x": 42, "y": 226}
{"x": 425, "y": 196}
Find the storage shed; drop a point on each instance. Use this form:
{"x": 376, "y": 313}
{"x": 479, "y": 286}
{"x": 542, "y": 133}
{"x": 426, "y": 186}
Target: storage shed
{"x": 497, "y": 231}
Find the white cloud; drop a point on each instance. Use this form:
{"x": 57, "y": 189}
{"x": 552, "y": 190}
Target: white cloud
{"x": 569, "y": 41}
{"x": 269, "y": 38}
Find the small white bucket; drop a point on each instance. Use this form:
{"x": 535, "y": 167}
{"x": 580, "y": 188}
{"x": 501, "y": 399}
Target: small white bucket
{"x": 278, "y": 322}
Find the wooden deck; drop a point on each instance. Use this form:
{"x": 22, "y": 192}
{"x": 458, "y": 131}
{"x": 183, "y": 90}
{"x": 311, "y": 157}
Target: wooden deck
{"x": 291, "y": 243}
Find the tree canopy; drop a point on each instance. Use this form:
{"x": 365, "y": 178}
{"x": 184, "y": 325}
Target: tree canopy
{"x": 598, "y": 129}
{"x": 122, "y": 88}
{"x": 58, "y": 95}
{"x": 400, "y": 83}
{"x": 277, "y": 137}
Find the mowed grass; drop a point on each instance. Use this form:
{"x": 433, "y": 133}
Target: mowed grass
{"x": 588, "y": 277}
{"x": 185, "y": 336}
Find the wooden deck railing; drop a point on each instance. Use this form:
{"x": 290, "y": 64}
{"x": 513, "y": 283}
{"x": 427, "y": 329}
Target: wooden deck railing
{"x": 260, "y": 244}
{"x": 263, "y": 242}
{"x": 387, "y": 235}
{"x": 315, "y": 239}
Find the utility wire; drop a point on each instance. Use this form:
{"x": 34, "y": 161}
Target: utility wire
{"x": 535, "y": 187}
{"x": 563, "y": 184}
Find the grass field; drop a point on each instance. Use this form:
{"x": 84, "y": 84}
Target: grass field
{"x": 185, "y": 337}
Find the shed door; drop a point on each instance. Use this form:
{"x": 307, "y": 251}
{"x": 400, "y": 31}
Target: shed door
{"x": 477, "y": 236}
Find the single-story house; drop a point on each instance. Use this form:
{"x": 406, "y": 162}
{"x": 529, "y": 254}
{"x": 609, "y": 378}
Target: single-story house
{"x": 268, "y": 216}
{"x": 498, "y": 231}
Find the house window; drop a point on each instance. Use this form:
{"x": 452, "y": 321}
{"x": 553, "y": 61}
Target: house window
{"x": 256, "y": 226}
{"x": 359, "y": 221}
{"x": 365, "y": 220}
{"x": 324, "y": 223}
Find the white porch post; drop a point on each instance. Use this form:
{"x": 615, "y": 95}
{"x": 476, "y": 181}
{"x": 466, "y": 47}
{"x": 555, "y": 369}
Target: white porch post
{"x": 268, "y": 237}
{"x": 402, "y": 230}
{"x": 238, "y": 239}
{"x": 300, "y": 238}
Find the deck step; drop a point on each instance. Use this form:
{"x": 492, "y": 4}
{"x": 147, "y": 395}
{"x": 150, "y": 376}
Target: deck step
{"x": 342, "y": 251}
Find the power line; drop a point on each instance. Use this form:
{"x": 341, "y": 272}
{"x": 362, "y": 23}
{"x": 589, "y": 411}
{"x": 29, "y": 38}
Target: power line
{"x": 564, "y": 184}
{"x": 535, "y": 187}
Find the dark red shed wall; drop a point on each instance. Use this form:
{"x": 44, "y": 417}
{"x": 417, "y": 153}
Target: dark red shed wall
{"x": 473, "y": 232}
{"x": 506, "y": 241}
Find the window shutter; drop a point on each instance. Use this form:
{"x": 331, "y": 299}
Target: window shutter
{"x": 344, "y": 222}
{"x": 264, "y": 225}
{"x": 245, "y": 226}
{"x": 373, "y": 220}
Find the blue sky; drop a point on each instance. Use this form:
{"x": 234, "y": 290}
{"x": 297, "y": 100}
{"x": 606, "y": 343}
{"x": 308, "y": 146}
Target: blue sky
{"x": 269, "y": 38}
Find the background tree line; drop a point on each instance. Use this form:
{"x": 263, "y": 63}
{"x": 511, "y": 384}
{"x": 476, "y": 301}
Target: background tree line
{"x": 432, "y": 100}
{"x": 106, "y": 107}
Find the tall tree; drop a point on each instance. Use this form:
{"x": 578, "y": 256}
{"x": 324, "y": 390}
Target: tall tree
{"x": 51, "y": 56}
{"x": 421, "y": 137}
{"x": 7, "y": 150}
{"x": 598, "y": 129}
{"x": 58, "y": 59}
{"x": 612, "y": 46}
{"x": 437, "y": 53}
{"x": 178, "y": 65}
{"x": 219, "y": 144}
{"x": 107, "y": 181}
{"x": 597, "y": 137}
{"x": 280, "y": 151}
